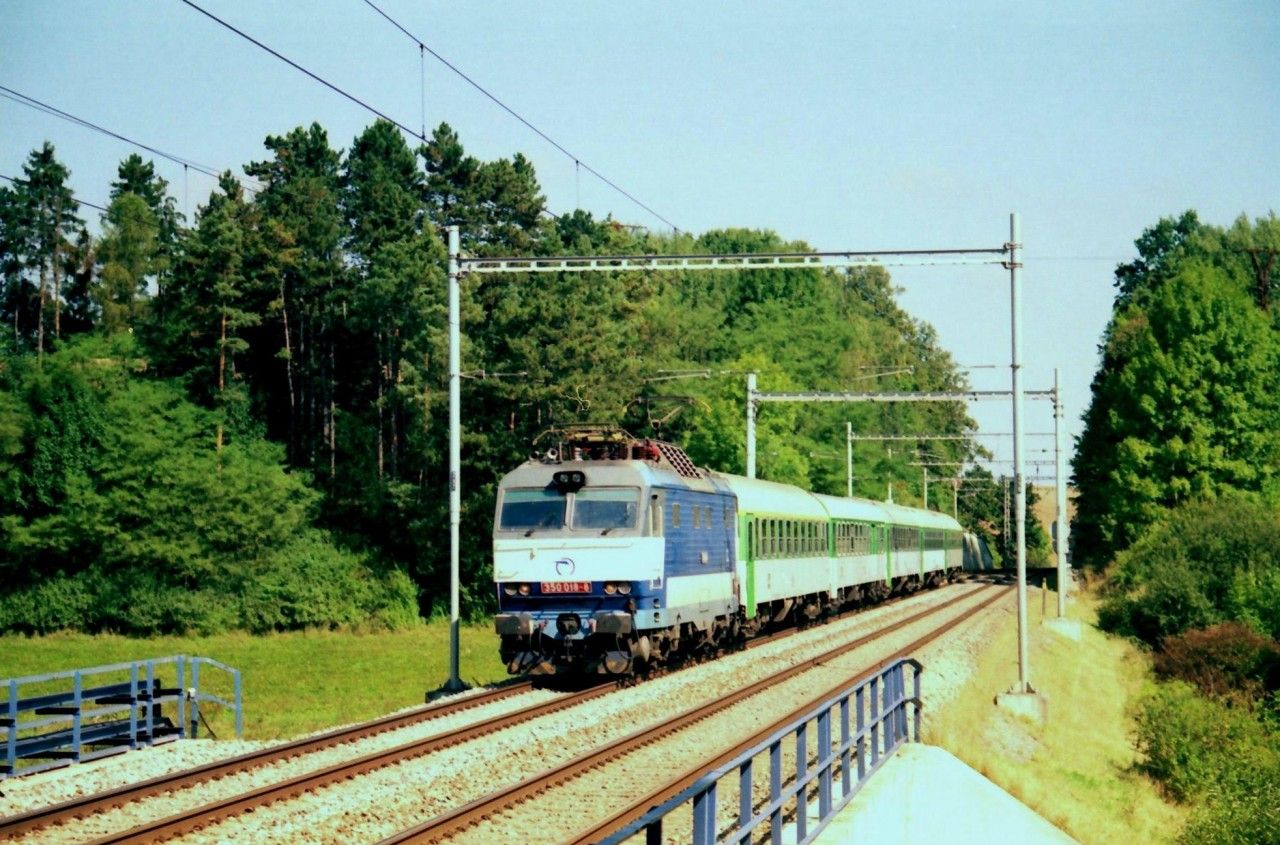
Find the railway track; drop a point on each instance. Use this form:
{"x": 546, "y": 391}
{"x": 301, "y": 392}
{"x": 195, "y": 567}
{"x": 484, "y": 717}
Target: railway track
{"x": 615, "y": 771}
{"x": 206, "y": 814}
{"x": 88, "y": 805}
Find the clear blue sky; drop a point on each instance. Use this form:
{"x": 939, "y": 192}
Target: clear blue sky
{"x": 845, "y": 125}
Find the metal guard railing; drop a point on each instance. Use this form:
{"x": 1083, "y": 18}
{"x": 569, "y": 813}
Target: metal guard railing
{"x": 878, "y": 725}
{"x": 82, "y": 714}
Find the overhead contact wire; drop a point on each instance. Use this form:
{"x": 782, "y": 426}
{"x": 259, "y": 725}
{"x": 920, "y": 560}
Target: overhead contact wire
{"x": 74, "y": 198}
{"x": 40, "y": 106}
{"x": 315, "y": 76}
{"x": 544, "y": 136}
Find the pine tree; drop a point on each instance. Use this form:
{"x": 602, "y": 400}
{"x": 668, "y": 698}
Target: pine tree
{"x": 217, "y": 292}
{"x": 47, "y": 226}
{"x": 299, "y": 204}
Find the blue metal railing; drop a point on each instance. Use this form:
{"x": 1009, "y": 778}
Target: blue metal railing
{"x": 83, "y": 714}
{"x": 872, "y": 719}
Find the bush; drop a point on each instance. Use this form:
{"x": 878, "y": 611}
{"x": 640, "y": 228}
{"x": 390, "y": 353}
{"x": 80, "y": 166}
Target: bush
{"x": 1229, "y": 661}
{"x": 1204, "y": 563}
{"x": 1250, "y": 815}
{"x": 46, "y": 607}
{"x": 1194, "y": 745}
{"x": 310, "y": 582}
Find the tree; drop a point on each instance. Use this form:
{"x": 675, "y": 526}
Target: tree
{"x": 139, "y": 178}
{"x": 297, "y": 371}
{"x": 496, "y": 204}
{"x": 1185, "y": 406}
{"x": 129, "y": 254}
{"x": 42, "y": 225}
{"x": 16, "y": 290}
{"x": 127, "y": 521}
{"x": 215, "y": 306}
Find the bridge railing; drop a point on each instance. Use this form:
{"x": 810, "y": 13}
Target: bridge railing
{"x": 81, "y": 714}
{"x": 857, "y": 730}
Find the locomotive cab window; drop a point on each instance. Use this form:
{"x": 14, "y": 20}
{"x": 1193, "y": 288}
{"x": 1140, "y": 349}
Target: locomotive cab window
{"x": 605, "y": 508}
{"x": 532, "y": 509}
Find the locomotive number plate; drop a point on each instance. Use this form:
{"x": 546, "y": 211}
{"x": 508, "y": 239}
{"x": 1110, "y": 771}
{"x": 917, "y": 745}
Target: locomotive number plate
{"x": 566, "y": 586}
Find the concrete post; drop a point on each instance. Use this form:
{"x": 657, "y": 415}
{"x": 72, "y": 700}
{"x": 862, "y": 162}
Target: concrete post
{"x": 751, "y": 425}
{"x": 454, "y": 684}
{"x": 1020, "y": 489}
{"x": 1061, "y": 520}
{"x": 848, "y": 458}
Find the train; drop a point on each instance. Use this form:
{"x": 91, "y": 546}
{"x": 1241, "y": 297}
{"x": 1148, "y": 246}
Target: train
{"x": 614, "y": 554}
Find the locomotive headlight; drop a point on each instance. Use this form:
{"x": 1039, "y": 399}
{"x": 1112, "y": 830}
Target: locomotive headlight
{"x": 610, "y": 588}
{"x": 523, "y": 589}
{"x": 624, "y": 587}
{"x": 509, "y": 589}
{"x": 568, "y": 482}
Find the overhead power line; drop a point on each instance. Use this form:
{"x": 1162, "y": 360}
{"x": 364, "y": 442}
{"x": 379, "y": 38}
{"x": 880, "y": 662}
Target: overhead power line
{"x": 326, "y": 83}
{"x": 577, "y": 162}
{"x": 46, "y": 108}
{"x": 73, "y": 196}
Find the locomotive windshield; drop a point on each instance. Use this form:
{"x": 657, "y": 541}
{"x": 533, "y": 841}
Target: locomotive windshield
{"x": 532, "y": 509}
{"x": 603, "y": 508}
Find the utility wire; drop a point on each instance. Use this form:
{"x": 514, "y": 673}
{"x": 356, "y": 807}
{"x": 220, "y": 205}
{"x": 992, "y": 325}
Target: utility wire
{"x": 73, "y": 197}
{"x": 544, "y": 136}
{"x": 326, "y": 83}
{"x": 38, "y": 105}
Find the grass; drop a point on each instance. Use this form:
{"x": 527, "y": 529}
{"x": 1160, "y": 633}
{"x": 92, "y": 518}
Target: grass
{"x": 293, "y": 683}
{"x": 1076, "y": 770}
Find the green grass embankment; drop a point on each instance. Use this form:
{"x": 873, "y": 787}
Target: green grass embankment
{"x": 1077, "y": 769}
{"x": 295, "y": 682}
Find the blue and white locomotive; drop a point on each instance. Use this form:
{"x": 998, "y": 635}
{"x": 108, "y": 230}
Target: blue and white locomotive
{"x": 615, "y": 554}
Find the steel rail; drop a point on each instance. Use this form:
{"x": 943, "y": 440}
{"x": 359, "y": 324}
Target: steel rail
{"x": 448, "y": 824}
{"x": 677, "y": 785}
{"x": 202, "y": 816}
{"x": 98, "y": 802}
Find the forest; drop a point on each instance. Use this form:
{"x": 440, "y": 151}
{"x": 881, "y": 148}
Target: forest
{"x": 239, "y": 421}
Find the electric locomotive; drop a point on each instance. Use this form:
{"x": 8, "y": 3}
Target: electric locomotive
{"x": 613, "y": 554}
